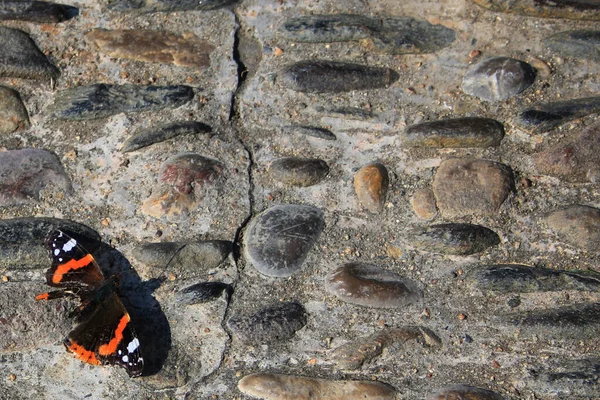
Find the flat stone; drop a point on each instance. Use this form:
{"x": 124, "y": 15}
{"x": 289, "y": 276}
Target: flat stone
{"x": 371, "y": 183}
{"x": 526, "y": 279}
{"x": 464, "y": 392}
{"x": 270, "y": 324}
{"x": 202, "y": 292}
{"x": 577, "y": 225}
{"x": 544, "y": 117}
{"x": 498, "y": 78}
{"x": 353, "y": 355}
{"x": 21, "y": 58}
{"x": 371, "y": 286}
{"x": 13, "y": 115}
{"x": 313, "y": 131}
{"x": 24, "y": 173}
{"x": 165, "y": 132}
{"x": 278, "y": 240}
{"x": 185, "y": 259}
{"x": 335, "y": 77}
{"x": 423, "y": 203}
{"x": 296, "y": 171}
{"x": 580, "y": 44}
{"x": 389, "y": 35}
{"x": 575, "y": 160}
{"x": 153, "y": 46}
{"x": 149, "y": 6}
{"x": 101, "y": 100}
{"x": 454, "y": 239}
{"x": 293, "y": 387}
{"x": 471, "y": 187}
{"x": 574, "y": 322}
{"x": 458, "y": 132}
{"x": 36, "y": 11}
{"x": 22, "y": 240}
{"x": 570, "y": 378}
{"x": 571, "y": 9}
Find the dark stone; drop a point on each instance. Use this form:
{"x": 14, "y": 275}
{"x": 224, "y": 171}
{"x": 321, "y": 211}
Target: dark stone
{"x": 335, "y": 77}
{"x": 459, "y": 132}
{"x": 22, "y": 240}
{"x": 202, "y": 292}
{"x": 370, "y": 286}
{"x": 579, "y": 44}
{"x": 162, "y": 133}
{"x": 36, "y": 11}
{"x": 346, "y": 112}
{"x": 578, "y": 225}
{"x": 270, "y": 324}
{"x": 101, "y": 100}
{"x": 455, "y": 239}
{"x": 498, "y": 78}
{"x": 571, "y": 9}
{"x": 313, "y": 131}
{"x": 278, "y": 240}
{"x": 24, "y": 173}
{"x": 353, "y": 355}
{"x": 464, "y": 392}
{"x": 575, "y": 160}
{"x": 471, "y": 187}
{"x": 298, "y": 171}
{"x": 21, "y": 58}
{"x": 390, "y": 35}
{"x": 525, "y": 279}
{"x": 148, "y": 6}
{"x": 187, "y": 171}
{"x": 575, "y": 322}
{"x": 13, "y": 115}
{"x": 545, "y": 117}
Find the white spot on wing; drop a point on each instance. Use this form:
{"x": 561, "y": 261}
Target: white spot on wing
{"x": 69, "y": 245}
{"x": 56, "y": 252}
{"x": 133, "y": 345}
{"x": 125, "y": 359}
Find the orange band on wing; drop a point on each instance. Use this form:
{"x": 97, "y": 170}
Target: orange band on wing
{"x": 111, "y": 347}
{"x": 43, "y": 296}
{"x": 83, "y": 354}
{"x": 71, "y": 265}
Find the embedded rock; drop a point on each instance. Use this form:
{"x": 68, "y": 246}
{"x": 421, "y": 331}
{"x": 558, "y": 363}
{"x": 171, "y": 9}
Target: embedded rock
{"x": 21, "y": 58}
{"x": 301, "y": 172}
{"x": 162, "y": 133}
{"x": 464, "y": 392}
{"x": 202, "y": 292}
{"x": 544, "y": 117}
{"x": 313, "y": 131}
{"x": 571, "y": 9}
{"x": 578, "y": 225}
{"x": 13, "y": 115}
{"x": 36, "y": 11}
{"x": 371, "y": 186}
{"x": 459, "y": 132}
{"x": 423, "y": 203}
{"x": 150, "y": 6}
{"x": 455, "y": 239}
{"x": 580, "y": 44}
{"x": 498, "y": 78}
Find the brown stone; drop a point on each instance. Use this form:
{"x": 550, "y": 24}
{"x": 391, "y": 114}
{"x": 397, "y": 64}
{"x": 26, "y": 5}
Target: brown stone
{"x": 292, "y": 387}
{"x": 471, "y": 187}
{"x": 371, "y": 186}
{"x": 578, "y": 225}
{"x": 13, "y": 115}
{"x": 423, "y": 203}
{"x": 576, "y": 160}
{"x": 153, "y": 46}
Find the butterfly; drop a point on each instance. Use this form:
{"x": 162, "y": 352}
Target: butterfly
{"x": 104, "y": 334}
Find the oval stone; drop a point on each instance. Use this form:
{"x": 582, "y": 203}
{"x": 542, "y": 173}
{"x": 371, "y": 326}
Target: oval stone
{"x": 335, "y": 77}
{"x": 464, "y": 392}
{"x": 299, "y": 171}
{"x": 371, "y": 185}
{"x": 454, "y": 239}
{"x": 278, "y": 240}
{"x": 371, "y": 286}
{"x": 165, "y": 132}
{"x": 13, "y": 115}
{"x": 458, "y": 132}
{"x": 292, "y": 387}
{"x": 270, "y": 324}
{"x": 187, "y": 170}
{"x": 313, "y": 131}
{"x": 21, "y": 58}
{"x": 498, "y": 78}
{"x": 578, "y": 225}
{"x": 423, "y": 203}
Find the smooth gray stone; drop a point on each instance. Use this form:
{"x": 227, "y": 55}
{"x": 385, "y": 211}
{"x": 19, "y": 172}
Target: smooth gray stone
{"x": 335, "y": 77}
{"x": 148, "y": 6}
{"x": 457, "y": 132}
{"x": 13, "y": 115}
{"x": 36, "y": 11}
{"x": 313, "y": 131}
{"x": 580, "y": 44}
{"x": 193, "y": 256}
{"x": 410, "y": 36}
{"x": 544, "y": 117}
{"x": 101, "y": 100}
{"x": 525, "y": 279}
{"x": 202, "y": 292}
{"x": 278, "y": 240}
{"x": 329, "y": 28}
{"x": 162, "y": 133}
{"x": 22, "y": 240}
{"x": 454, "y": 239}
{"x": 270, "y": 324}
{"x": 498, "y": 78}
{"x": 21, "y": 58}
{"x": 301, "y": 172}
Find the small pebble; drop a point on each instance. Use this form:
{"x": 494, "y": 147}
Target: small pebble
{"x": 423, "y": 204}
{"x": 13, "y": 115}
{"x": 371, "y": 184}
{"x": 300, "y": 172}
{"x": 186, "y": 172}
